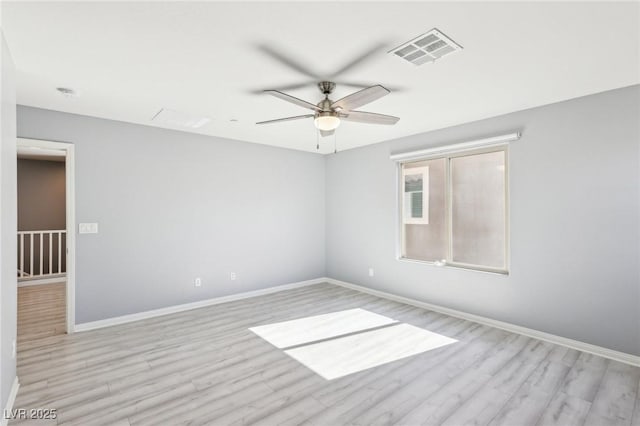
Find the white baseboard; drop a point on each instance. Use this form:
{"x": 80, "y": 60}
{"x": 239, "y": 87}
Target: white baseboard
{"x": 194, "y": 305}
{"x": 12, "y": 398}
{"x": 41, "y": 281}
{"x": 540, "y": 335}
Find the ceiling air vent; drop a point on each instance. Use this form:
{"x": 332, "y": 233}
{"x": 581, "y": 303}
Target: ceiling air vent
{"x": 426, "y": 48}
{"x": 180, "y": 119}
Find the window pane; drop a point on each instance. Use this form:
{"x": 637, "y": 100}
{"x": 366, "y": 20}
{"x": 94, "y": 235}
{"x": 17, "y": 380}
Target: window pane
{"x": 478, "y": 209}
{"x": 426, "y": 241}
{"x": 416, "y": 195}
{"x": 416, "y": 204}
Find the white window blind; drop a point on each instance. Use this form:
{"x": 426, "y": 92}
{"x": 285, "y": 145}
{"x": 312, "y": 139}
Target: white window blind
{"x": 456, "y": 147}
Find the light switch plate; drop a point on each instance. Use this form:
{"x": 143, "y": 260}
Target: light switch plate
{"x": 88, "y": 228}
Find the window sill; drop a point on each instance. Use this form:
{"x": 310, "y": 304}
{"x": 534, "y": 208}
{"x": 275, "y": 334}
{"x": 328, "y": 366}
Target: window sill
{"x": 456, "y": 266}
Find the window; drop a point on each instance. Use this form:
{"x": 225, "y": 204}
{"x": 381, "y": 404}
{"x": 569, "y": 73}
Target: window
{"x": 416, "y": 194}
{"x": 454, "y": 209}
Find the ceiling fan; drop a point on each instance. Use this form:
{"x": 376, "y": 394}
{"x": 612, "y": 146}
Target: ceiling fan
{"x": 327, "y": 114}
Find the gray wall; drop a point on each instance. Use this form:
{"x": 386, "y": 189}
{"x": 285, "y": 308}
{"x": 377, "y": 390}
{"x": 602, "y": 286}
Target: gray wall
{"x": 41, "y": 198}
{"x": 574, "y": 216}
{"x": 172, "y": 206}
{"x": 8, "y": 228}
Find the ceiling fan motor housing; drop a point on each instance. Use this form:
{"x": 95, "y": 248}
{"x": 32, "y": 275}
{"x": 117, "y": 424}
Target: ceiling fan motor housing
{"x": 326, "y": 87}
{"x": 325, "y": 104}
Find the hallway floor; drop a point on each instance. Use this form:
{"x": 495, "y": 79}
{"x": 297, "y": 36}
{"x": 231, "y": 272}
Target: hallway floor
{"x": 41, "y": 311}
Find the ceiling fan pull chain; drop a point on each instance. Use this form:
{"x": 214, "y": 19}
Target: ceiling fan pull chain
{"x": 335, "y": 144}
{"x": 317, "y": 139}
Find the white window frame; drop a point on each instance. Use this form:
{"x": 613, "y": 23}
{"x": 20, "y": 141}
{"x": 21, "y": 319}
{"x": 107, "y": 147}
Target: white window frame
{"x": 482, "y": 146}
{"x": 424, "y": 171}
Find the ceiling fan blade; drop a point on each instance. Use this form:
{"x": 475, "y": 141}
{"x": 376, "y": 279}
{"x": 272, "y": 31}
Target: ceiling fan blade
{"x": 379, "y": 47}
{"x": 308, "y": 83}
{"x": 325, "y": 133}
{"x": 277, "y": 120}
{"x": 361, "y": 97}
{"x": 293, "y": 100}
{"x": 284, "y": 59}
{"x": 364, "y": 85}
{"x": 369, "y": 117}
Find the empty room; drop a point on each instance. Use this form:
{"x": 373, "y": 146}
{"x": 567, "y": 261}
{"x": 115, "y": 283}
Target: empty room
{"x": 320, "y": 213}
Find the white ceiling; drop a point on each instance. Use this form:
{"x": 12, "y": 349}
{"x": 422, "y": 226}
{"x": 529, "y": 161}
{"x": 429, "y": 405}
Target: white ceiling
{"x": 128, "y": 60}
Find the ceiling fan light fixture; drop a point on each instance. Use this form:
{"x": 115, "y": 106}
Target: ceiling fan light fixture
{"x": 326, "y": 121}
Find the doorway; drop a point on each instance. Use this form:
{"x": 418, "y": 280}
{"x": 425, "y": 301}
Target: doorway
{"x": 46, "y": 239}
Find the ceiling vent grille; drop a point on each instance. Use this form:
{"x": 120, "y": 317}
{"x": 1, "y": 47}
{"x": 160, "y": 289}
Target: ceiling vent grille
{"x": 179, "y": 119}
{"x": 428, "y": 47}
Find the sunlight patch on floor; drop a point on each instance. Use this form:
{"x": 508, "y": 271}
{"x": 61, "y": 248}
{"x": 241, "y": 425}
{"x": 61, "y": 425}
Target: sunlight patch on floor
{"x": 342, "y": 343}
{"x": 319, "y": 327}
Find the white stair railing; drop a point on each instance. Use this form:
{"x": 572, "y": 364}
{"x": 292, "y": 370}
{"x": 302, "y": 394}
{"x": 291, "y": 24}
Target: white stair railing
{"x": 41, "y": 253}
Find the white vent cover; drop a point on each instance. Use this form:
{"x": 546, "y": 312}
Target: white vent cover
{"x": 428, "y": 47}
{"x": 179, "y": 119}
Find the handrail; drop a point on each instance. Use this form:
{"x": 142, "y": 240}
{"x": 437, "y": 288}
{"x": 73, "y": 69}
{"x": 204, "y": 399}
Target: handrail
{"x": 64, "y": 231}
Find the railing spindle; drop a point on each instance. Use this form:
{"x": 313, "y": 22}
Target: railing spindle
{"x": 41, "y": 252}
{"x": 31, "y": 254}
{"x": 59, "y": 252}
{"x": 22, "y": 255}
{"x": 50, "y": 253}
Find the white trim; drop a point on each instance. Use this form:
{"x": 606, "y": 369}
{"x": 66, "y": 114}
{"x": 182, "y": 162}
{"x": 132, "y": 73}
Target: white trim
{"x": 44, "y": 144}
{"x": 424, "y": 171}
{"x": 42, "y": 281}
{"x": 70, "y": 195}
{"x": 460, "y": 266}
{"x": 41, "y": 231}
{"x": 194, "y": 305}
{"x": 10, "y": 401}
{"x": 70, "y": 192}
{"x": 456, "y": 147}
{"x": 540, "y": 335}
{"x": 30, "y": 150}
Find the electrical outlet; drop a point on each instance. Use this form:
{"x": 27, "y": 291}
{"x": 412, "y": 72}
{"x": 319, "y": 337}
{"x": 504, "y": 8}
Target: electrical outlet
{"x": 198, "y": 282}
{"x": 371, "y": 272}
{"x": 14, "y": 351}
{"x": 232, "y": 276}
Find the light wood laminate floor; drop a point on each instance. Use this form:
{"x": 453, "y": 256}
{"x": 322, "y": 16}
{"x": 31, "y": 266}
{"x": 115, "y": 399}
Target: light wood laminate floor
{"x": 41, "y": 311}
{"x": 206, "y": 367}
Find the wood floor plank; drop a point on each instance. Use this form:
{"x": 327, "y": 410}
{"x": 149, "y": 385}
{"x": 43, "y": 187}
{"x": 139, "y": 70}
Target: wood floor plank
{"x": 436, "y": 407}
{"x": 585, "y": 377}
{"x": 41, "y": 312}
{"x": 391, "y": 407}
{"x": 635, "y": 419}
{"x": 527, "y": 404}
{"x": 355, "y": 398}
{"x": 483, "y": 406}
{"x": 616, "y": 397}
{"x": 206, "y": 366}
{"x": 565, "y": 410}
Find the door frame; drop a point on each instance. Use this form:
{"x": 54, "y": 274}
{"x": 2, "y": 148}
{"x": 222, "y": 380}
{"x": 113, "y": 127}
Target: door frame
{"x": 70, "y": 196}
